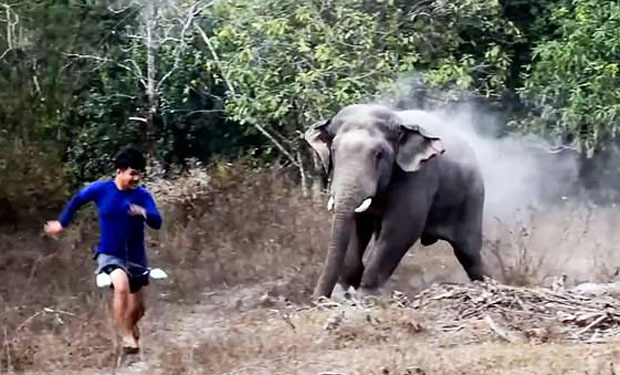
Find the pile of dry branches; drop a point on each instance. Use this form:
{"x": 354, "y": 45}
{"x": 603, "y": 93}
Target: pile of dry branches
{"x": 517, "y": 313}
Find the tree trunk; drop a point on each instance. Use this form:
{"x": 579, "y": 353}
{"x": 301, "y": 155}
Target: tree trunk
{"x": 303, "y": 175}
{"x": 317, "y": 179}
{"x": 152, "y": 47}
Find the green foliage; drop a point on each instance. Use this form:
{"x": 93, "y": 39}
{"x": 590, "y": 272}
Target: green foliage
{"x": 37, "y": 79}
{"x": 475, "y": 43}
{"x": 98, "y": 121}
{"x": 573, "y": 80}
{"x": 110, "y": 109}
{"x": 239, "y": 77}
{"x": 42, "y": 87}
{"x": 292, "y": 63}
{"x": 32, "y": 179}
{"x": 194, "y": 123}
{"x": 98, "y": 128}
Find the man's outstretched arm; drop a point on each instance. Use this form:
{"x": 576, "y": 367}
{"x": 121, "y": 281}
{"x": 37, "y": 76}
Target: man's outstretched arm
{"x": 89, "y": 193}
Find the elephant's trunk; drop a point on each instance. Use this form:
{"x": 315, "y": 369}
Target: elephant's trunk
{"x": 334, "y": 261}
{"x": 346, "y": 201}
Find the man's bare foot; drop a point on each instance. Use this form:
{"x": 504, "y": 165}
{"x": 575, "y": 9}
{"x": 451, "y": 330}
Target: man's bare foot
{"x": 130, "y": 345}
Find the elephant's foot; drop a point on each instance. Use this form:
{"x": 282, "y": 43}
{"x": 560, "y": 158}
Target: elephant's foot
{"x": 477, "y": 273}
{"x": 342, "y": 292}
{"x": 338, "y": 294}
{"x": 364, "y": 292}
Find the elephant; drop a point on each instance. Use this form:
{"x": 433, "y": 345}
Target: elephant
{"x": 394, "y": 177}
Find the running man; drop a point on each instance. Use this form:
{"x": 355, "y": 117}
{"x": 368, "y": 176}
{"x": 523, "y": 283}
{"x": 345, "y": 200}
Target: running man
{"x": 123, "y": 209}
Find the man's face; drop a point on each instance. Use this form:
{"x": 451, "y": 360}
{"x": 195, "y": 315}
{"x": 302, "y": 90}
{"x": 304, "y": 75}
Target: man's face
{"x": 128, "y": 178}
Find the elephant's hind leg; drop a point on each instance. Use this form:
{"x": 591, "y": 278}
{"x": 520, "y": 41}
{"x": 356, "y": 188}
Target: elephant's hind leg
{"x": 468, "y": 254}
{"x": 468, "y": 243}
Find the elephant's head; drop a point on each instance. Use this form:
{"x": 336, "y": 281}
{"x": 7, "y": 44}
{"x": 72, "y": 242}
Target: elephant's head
{"x": 360, "y": 148}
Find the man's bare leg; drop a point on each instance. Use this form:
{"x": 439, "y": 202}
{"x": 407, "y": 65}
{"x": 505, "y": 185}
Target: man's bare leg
{"x": 135, "y": 311}
{"x": 120, "y": 306}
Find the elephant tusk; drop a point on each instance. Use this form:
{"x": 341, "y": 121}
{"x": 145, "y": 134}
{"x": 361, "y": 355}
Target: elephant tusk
{"x": 330, "y": 204}
{"x": 364, "y": 206}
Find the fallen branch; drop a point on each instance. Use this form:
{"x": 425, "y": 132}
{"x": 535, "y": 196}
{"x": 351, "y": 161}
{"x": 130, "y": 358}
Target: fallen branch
{"x": 502, "y": 333}
{"x": 593, "y": 324}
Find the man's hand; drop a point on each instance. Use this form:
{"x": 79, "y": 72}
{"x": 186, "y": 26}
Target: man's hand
{"x": 53, "y": 228}
{"x": 136, "y": 210}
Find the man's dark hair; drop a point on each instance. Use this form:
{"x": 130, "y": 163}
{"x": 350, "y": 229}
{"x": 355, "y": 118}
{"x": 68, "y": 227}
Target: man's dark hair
{"x": 130, "y": 157}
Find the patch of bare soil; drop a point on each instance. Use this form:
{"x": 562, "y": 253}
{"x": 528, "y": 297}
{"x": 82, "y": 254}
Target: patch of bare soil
{"x": 475, "y": 328}
{"x": 52, "y": 318}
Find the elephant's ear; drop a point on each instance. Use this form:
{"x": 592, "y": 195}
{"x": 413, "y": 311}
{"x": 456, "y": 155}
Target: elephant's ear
{"x": 415, "y": 146}
{"x": 318, "y": 138}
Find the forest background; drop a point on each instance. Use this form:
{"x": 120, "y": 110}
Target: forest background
{"x": 239, "y": 80}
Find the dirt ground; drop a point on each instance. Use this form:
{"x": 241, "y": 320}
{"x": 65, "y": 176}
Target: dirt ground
{"x": 251, "y": 330}
{"x": 256, "y": 329}
{"x": 237, "y": 300}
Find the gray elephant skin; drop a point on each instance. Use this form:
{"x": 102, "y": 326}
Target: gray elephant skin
{"x": 395, "y": 177}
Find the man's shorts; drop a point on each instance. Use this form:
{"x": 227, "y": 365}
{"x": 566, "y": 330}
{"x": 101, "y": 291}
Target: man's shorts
{"x": 138, "y": 275}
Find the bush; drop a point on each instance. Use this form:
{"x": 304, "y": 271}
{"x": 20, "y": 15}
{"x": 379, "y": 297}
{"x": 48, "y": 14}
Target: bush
{"x": 32, "y": 181}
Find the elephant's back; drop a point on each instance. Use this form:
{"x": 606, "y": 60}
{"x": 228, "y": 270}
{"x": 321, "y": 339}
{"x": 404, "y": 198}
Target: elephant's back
{"x": 456, "y": 145}
{"x": 458, "y": 170}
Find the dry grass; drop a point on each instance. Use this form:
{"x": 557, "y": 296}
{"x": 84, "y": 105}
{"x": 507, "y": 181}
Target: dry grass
{"x": 253, "y": 230}
{"x": 46, "y": 303}
{"x": 575, "y": 240}
{"x": 371, "y": 339}
{"x": 247, "y": 227}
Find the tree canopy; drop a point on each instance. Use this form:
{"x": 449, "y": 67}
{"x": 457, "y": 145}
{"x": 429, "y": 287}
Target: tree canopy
{"x": 223, "y": 79}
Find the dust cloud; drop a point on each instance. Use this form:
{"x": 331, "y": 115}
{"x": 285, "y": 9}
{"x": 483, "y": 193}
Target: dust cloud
{"x": 537, "y": 216}
{"x": 520, "y": 171}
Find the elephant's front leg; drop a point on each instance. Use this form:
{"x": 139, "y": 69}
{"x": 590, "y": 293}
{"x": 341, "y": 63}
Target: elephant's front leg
{"x": 353, "y": 265}
{"x": 398, "y": 232}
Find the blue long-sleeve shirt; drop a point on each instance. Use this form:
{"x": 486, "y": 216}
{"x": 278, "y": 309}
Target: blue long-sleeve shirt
{"x": 120, "y": 234}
